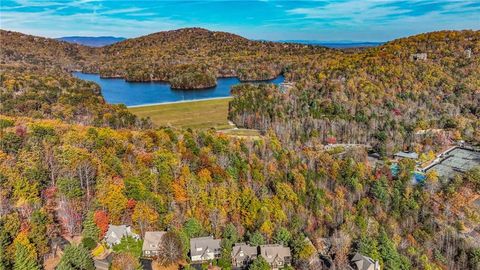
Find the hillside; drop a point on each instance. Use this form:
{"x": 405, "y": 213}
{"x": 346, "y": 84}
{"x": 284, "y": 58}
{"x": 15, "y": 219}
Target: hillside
{"x": 379, "y": 96}
{"x": 26, "y": 51}
{"x": 57, "y": 95}
{"x": 195, "y": 54}
{"x": 189, "y": 58}
{"x": 76, "y": 179}
{"x": 70, "y": 164}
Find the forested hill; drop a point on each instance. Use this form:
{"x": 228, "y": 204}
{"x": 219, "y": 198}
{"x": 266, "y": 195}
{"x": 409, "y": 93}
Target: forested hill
{"x": 380, "y": 96}
{"x": 175, "y": 55}
{"x": 188, "y": 58}
{"x": 26, "y": 51}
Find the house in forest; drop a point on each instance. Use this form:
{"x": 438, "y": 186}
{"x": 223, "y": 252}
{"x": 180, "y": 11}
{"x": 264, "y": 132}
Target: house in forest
{"x": 418, "y": 56}
{"x": 115, "y": 234}
{"x": 243, "y": 254}
{"x": 204, "y": 249}
{"x": 284, "y": 87}
{"x": 277, "y": 256}
{"x": 151, "y": 243}
{"x": 361, "y": 262}
{"x": 468, "y": 53}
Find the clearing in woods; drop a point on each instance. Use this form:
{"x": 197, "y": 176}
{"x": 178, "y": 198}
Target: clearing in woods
{"x": 211, "y": 113}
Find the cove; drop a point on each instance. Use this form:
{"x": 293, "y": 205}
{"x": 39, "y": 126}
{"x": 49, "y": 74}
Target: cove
{"x": 116, "y": 91}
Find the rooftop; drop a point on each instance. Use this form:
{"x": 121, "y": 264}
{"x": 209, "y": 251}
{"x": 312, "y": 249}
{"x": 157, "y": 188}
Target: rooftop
{"x": 242, "y": 249}
{"x": 200, "y": 245}
{"x": 152, "y": 240}
{"x": 271, "y": 252}
{"x": 364, "y": 263}
{"x": 411, "y": 155}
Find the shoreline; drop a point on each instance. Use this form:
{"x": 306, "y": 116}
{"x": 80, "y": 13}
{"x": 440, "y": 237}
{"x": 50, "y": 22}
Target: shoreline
{"x": 175, "y": 102}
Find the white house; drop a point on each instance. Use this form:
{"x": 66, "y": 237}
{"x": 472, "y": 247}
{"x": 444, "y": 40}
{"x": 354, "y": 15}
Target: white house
{"x": 115, "y": 234}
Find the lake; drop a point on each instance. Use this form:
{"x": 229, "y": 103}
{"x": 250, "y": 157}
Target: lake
{"x": 142, "y": 93}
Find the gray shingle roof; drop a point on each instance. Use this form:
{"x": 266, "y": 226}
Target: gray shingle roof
{"x": 411, "y": 155}
{"x": 242, "y": 250}
{"x": 364, "y": 262}
{"x": 116, "y": 232}
{"x": 272, "y": 253}
{"x": 201, "y": 245}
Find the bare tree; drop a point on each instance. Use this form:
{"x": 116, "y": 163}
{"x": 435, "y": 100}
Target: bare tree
{"x": 170, "y": 249}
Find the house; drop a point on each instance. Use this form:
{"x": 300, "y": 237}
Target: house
{"x": 314, "y": 258}
{"x": 284, "y": 87}
{"x": 115, "y": 234}
{"x": 204, "y": 249}
{"x": 418, "y": 56}
{"x": 277, "y": 256}
{"x": 103, "y": 262}
{"x": 151, "y": 243}
{"x": 243, "y": 254}
{"x": 409, "y": 155}
{"x": 360, "y": 262}
{"x": 468, "y": 53}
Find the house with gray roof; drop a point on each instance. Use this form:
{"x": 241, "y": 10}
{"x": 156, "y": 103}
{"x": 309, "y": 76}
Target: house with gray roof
{"x": 115, "y": 234}
{"x": 277, "y": 256}
{"x": 361, "y": 262}
{"x": 204, "y": 249}
{"x": 243, "y": 254}
{"x": 151, "y": 243}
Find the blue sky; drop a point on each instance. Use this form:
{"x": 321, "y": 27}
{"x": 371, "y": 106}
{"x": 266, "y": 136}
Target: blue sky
{"x": 355, "y": 20}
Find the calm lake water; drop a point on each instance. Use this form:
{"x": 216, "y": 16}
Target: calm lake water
{"x": 139, "y": 93}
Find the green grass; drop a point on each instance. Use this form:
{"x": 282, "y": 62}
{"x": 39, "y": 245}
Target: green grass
{"x": 196, "y": 114}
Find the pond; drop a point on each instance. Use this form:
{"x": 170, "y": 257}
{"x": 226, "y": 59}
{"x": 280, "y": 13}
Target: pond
{"x": 117, "y": 91}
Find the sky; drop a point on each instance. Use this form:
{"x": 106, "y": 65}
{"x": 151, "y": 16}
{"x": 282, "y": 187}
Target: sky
{"x": 341, "y": 20}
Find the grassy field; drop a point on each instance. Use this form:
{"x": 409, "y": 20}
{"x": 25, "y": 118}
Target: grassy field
{"x": 196, "y": 114}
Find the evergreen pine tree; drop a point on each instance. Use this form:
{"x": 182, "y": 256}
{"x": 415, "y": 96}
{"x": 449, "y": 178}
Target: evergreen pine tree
{"x": 90, "y": 228}
{"x": 24, "y": 260}
{"x": 76, "y": 257}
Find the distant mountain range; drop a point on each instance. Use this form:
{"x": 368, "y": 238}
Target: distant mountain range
{"x": 336, "y": 44}
{"x": 92, "y": 41}
{"x": 106, "y": 40}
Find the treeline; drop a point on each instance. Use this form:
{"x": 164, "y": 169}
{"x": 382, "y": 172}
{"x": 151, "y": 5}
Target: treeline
{"x": 380, "y": 95}
{"x": 65, "y": 180}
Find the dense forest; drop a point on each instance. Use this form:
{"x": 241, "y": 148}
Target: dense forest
{"x": 59, "y": 96}
{"x": 61, "y": 179}
{"x": 379, "y": 96}
{"x": 70, "y": 164}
